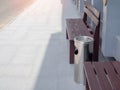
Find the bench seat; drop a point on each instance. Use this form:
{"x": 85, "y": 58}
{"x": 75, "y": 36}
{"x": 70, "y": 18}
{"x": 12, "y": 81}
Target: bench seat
{"x": 102, "y": 75}
{"x": 76, "y": 27}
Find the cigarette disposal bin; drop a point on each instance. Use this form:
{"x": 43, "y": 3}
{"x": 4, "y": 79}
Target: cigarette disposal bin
{"x": 83, "y": 52}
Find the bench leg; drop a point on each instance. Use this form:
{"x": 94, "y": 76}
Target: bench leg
{"x": 72, "y": 48}
{"x": 66, "y": 35}
{"x": 96, "y": 45}
{"x": 96, "y": 52}
{"x": 96, "y": 48}
{"x": 87, "y": 87}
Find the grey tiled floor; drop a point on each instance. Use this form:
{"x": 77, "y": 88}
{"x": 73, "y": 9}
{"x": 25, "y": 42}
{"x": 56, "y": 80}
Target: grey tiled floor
{"x": 34, "y": 51}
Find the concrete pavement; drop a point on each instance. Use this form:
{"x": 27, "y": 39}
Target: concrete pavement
{"x": 34, "y": 51}
{"x": 9, "y": 9}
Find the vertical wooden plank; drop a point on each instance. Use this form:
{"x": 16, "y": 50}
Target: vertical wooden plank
{"x": 66, "y": 35}
{"x": 72, "y": 48}
{"x": 85, "y": 18}
{"x": 87, "y": 87}
{"x": 96, "y": 43}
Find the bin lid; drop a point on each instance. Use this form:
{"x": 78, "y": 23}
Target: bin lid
{"x": 83, "y": 39}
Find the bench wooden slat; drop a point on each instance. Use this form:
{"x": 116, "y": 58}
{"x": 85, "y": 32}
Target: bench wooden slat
{"x": 117, "y": 67}
{"x": 91, "y": 77}
{"x": 93, "y": 18}
{"x": 107, "y": 73}
{"x": 94, "y": 10}
{"x": 102, "y": 76}
{"x": 115, "y": 81}
{"x": 76, "y": 27}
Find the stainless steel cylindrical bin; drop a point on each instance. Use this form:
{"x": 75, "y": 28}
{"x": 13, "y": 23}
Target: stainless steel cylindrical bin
{"x": 83, "y": 52}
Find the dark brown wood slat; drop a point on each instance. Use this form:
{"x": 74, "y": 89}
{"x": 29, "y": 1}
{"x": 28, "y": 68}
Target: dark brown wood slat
{"x": 92, "y": 17}
{"x": 112, "y": 75}
{"x": 94, "y": 10}
{"x": 102, "y": 76}
{"x": 76, "y": 27}
{"x": 91, "y": 77}
{"x": 116, "y": 65}
{"x": 72, "y": 48}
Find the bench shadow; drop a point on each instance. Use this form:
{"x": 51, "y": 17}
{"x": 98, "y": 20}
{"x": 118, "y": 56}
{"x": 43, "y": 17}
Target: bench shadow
{"x": 50, "y": 70}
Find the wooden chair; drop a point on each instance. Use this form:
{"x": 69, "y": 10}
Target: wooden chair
{"x": 76, "y": 27}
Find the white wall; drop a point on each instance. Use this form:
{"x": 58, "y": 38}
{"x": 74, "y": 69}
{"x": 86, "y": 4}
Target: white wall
{"x": 111, "y": 27}
{"x": 117, "y": 48}
{"x": 110, "y": 23}
{"x": 88, "y": 1}
{"x": 81, "y": 7}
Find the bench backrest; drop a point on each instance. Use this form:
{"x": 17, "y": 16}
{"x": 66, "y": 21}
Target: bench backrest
{"x": 94, "y": 15}
{"x": 91, "y": 12}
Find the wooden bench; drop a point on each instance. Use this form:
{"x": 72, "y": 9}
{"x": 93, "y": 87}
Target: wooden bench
{"x": 76, "y": 27}
{"x": 102, "y": 75}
